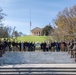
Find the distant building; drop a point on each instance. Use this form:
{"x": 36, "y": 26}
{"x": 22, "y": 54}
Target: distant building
{"x": 36, "y": 31}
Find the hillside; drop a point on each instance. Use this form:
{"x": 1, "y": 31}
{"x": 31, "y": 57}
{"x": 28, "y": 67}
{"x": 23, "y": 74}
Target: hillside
{"x": 33, "y": 38}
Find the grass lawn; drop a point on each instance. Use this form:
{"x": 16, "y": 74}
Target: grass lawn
{"x": 33, "y": 38}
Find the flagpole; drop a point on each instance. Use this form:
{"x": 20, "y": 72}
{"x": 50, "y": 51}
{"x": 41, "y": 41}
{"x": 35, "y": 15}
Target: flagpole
{"x": 30, "y": 21}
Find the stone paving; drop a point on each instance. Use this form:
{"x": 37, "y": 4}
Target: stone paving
{"x": 37, "y": 58}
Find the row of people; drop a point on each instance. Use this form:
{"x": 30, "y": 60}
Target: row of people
{"x": 29, "y": 46}
{"x": 54, "y": 46}
{"x": 15, "y": 46}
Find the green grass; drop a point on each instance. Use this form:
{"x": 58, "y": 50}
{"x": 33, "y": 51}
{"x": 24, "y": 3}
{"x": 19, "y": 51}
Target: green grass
{"x": 33, "y": 38}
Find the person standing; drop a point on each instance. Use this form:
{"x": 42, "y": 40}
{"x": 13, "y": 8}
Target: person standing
{"x": 44, "y": 46}
{"x": 22, "y": 46}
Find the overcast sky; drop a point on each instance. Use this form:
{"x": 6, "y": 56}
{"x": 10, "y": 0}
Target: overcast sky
{"x": 42, "y": 12}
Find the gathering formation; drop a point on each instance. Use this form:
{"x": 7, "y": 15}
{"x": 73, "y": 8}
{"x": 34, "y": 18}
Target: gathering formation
{"x": 66, "y": 46}
{"x": 37, "y": 37}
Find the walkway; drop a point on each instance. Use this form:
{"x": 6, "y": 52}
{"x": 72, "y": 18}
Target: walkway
{"x": 36, "y": 58}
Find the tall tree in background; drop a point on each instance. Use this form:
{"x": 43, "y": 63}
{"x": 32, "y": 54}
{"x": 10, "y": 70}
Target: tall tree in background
{"x": 47, "y": 30}
{"x": 4, "y": 30}
{"x": 1, "y": 16}
{"x": 66, "y": 21}
{"x": 7, "y": 31}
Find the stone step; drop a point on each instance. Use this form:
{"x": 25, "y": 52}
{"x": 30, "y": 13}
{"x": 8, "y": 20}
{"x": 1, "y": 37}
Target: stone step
{"x": 38, "y": 71}
{"x": 43, "y": 73}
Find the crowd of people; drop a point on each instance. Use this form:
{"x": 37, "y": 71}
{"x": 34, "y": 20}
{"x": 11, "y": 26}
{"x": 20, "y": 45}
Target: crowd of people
{"x": 7, "y": 45}
{"x": 14, "y": 45}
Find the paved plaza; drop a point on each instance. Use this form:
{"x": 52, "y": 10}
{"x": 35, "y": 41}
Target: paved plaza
{"x": 37, "y": 58}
